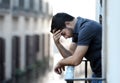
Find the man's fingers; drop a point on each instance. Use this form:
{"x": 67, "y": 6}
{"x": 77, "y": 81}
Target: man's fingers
{"x": 58, "y": 31}
{"x": 58, "y": 70}
{"x": 63, "y": 68}
{"x": 55, "y": 35}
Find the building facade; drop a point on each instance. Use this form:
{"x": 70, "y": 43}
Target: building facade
{"x": 24, "y": 37}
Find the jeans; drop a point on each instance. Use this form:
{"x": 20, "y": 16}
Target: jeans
{"x": 95, "y": 81}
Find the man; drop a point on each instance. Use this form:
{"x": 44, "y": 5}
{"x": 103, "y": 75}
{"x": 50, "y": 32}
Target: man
{"x": 86, "y": 42}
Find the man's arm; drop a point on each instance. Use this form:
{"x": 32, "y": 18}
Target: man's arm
{"x": 64, "y": 52}
{"x": 73, "y": 60}
{"x": 76, "y": 58}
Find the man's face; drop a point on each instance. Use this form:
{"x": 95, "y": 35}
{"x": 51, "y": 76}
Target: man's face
{"x": 67, "y": 32}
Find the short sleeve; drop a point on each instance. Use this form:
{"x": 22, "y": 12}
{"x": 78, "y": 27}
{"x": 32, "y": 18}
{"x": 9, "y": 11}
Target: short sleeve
{"x": 86, "y": 35}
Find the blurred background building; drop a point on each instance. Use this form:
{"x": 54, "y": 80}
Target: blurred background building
{"x": 24, "y": 38}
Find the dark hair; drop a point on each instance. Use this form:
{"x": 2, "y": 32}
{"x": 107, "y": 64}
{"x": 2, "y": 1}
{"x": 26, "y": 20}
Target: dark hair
{"x": 58, "y": 21}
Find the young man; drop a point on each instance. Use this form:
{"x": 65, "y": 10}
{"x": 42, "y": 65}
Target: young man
{"x": 86, "y": 42}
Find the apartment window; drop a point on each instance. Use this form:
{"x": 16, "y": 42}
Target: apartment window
{"x": 36, "y": 7}
{"x": 5, "y": 4}
{"x": 40, "y": 5}
{"x": 1, "y": 23}
{"x": 27, "y": 49}
{"x": 21, "y": 4}
{"x": 15, "y": 4}
{"x": 36, "y": 46}
{"x": 31, "y": 4}
{"x": 26, "y": 6}
{"x": 49, "y": 44}
{"x": 2, "y": 59}
{"x": 15, "y": 54}
{"x": 36, "y": 42}
{"x": 43, "y": 45}
{"x": 30, "y": 51}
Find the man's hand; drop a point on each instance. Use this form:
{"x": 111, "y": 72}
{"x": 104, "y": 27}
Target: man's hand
{"x": 56, "y": 36}
{"x": 59, "y": 68}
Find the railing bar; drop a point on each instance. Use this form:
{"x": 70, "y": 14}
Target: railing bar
{"x": 86, "y": 71}
{"x": 69, "y": 81}
{"x": 83, "y": 79}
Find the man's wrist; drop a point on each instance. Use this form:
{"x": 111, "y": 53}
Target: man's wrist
{"x": 57, "y": 43}
{"x": 60, "y": 62}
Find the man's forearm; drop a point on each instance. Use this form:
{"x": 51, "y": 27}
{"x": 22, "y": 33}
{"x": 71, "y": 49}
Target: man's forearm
{"x": 64, "y": 52}
{"x": 70, "y": 61}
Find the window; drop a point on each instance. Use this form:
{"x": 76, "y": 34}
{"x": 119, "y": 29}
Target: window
{"x": 40, "y": 5}
{"x": 5, "y": 4}
{"x": 1, "y": 23}
{"x": 26, "y": 6}
{"x": 21, "y": 4}
{"x": 16, "y": 50}
{"x": 15, "y": 4}
{"x": 31, "y": 4}
{"x": 36, "y": 7}
{"x": 36, "y": 46}
{"x": 43, "y": 44}
{"x": 36, "y": 41}
{"x": 2, "y": 59}
{"x": 15, "y": 54}
{"x": 30, "y": 51}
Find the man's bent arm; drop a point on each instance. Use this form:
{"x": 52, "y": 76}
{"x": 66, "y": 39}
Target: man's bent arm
{"x": 64, "y": 52}
{"x": 76, "y": 58}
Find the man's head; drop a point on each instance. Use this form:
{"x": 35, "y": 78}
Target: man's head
{"x": 60, "y": 21}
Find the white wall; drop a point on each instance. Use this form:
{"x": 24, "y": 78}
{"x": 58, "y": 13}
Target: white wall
{"x": 112, "y": 40}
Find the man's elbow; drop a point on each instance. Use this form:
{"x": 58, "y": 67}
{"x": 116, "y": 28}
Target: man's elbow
{"x": 76, "y": 63}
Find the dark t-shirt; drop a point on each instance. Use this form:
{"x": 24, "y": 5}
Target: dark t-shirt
{"x": 89, "y": 33}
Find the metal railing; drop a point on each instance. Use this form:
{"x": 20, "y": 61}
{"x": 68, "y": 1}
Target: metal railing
{"x": 69, "y": 78}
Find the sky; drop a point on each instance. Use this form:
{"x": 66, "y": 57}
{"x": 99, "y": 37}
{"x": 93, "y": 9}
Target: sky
{"x": 83, "y": 8}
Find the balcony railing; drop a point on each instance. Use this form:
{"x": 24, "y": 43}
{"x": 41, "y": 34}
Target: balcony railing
{"x": 70, "y": 77}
